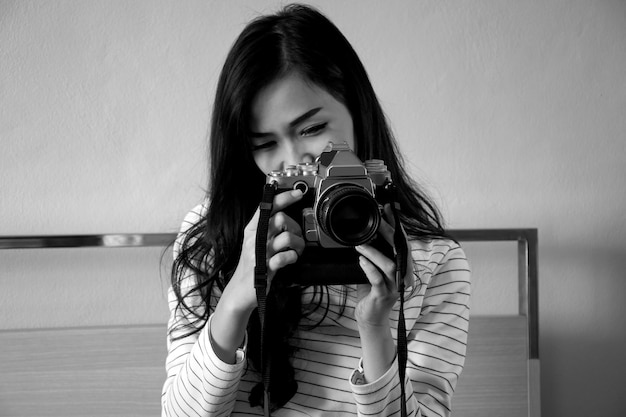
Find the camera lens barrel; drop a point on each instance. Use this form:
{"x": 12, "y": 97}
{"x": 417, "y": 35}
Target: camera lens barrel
{"x": 349, "y": 214}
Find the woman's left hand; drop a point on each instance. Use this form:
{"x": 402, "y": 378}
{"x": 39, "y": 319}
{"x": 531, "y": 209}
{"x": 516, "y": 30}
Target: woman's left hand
{"x": 375, "y": 301}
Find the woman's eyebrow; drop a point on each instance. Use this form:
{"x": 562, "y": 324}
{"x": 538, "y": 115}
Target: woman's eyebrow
{"x": 304, "y": 116}
{"x": 293, "y": 123}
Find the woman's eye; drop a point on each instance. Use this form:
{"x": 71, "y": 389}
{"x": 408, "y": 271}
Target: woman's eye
{"x": 312, "y": 130}
{"x": 261, "y": 146}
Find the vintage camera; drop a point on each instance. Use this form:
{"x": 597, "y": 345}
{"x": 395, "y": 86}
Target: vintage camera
{"x": 341, "y": 208}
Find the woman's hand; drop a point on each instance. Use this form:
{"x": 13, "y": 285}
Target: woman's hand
{"x": 284, "y": 245}
{"x": 377, "y": 299}
{"x": 375, "y": 302}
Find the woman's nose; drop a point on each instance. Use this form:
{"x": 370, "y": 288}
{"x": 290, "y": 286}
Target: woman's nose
{"x": 293, "y": 155}
{"x": 289, "y": 157}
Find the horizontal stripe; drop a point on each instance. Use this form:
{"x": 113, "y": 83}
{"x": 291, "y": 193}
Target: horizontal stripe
{"x": 436, "y": 314}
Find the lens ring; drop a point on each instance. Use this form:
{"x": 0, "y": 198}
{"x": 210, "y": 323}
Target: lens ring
{"x": 349, "y": 215}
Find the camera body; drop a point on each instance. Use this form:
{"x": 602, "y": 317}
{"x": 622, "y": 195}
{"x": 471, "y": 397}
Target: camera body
{"x": 341, "y": 208}
{"x": 342, "y": 197}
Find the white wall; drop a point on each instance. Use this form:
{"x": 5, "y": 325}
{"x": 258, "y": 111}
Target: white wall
{"x": 511, "y": 113}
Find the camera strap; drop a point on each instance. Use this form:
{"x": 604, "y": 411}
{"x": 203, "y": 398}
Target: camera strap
{"x": 260, "y": 283}
{"x": 401, "y": 251}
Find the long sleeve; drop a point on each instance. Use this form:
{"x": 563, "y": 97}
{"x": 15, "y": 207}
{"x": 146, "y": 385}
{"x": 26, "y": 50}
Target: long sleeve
{"x": 198, "y": 383}
{"x": 328, "y": 348}
{"x": 437, "y": 314}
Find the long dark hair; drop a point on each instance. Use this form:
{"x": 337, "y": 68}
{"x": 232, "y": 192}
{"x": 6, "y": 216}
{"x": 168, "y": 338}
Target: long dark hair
{"x": 297, "y": 39}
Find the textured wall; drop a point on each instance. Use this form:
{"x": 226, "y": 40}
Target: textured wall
{"x": 510, "y": 113}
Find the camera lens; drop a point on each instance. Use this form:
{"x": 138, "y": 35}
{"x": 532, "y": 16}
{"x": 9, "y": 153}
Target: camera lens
{"x": 349, "y": 215}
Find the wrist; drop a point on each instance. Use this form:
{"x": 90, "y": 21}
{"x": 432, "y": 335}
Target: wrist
{"x": 228, "y": 329}
{"x": 372, "y": 330}
{"x": 372, "y": 322}
{"x": 378, "y": 351}
{"x": 239, "y": 298}
{"x": 234, "y": 306}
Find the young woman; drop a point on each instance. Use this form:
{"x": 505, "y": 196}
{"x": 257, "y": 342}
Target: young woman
{"x": 290, "y": 85}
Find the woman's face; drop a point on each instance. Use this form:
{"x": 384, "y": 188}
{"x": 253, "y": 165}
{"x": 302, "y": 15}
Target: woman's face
{"x": 293, "y": 120}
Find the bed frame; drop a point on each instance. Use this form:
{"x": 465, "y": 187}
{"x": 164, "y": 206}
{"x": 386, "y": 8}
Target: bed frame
{"x": 119, "y": 370}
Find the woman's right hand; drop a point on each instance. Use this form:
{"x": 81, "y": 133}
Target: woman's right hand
{"x": 284, "y": 245}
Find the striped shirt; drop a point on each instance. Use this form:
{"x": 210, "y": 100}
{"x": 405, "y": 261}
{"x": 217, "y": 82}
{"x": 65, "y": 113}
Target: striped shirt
{"x": 327, "y": 362}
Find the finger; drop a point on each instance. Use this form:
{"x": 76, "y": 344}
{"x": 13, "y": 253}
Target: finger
{"x": 281, "y": 201}
{"x": 284, "y": 200}
{"x": 280, "y": 222}
{"x": 380, "y": 285}
{"x": 286, "y": 241}
{"x": 376, "y": 257}
{"x": 282, "y": 259}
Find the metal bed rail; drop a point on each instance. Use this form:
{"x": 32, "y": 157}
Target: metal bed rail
{"x": 526, "y": 238}
{"x": 527, "y": 269}
{"x": 113, "y": 240}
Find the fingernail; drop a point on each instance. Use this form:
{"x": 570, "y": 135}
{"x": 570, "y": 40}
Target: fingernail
{"x": 296, "y": 193}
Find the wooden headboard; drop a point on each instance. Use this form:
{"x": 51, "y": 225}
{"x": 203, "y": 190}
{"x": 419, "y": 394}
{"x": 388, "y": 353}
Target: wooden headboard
{"x": 119, "y": 370}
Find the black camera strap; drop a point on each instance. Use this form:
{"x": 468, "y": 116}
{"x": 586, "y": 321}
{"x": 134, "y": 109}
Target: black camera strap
{"x": 401, "y": 251}
{"x": 260, "y": 283}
